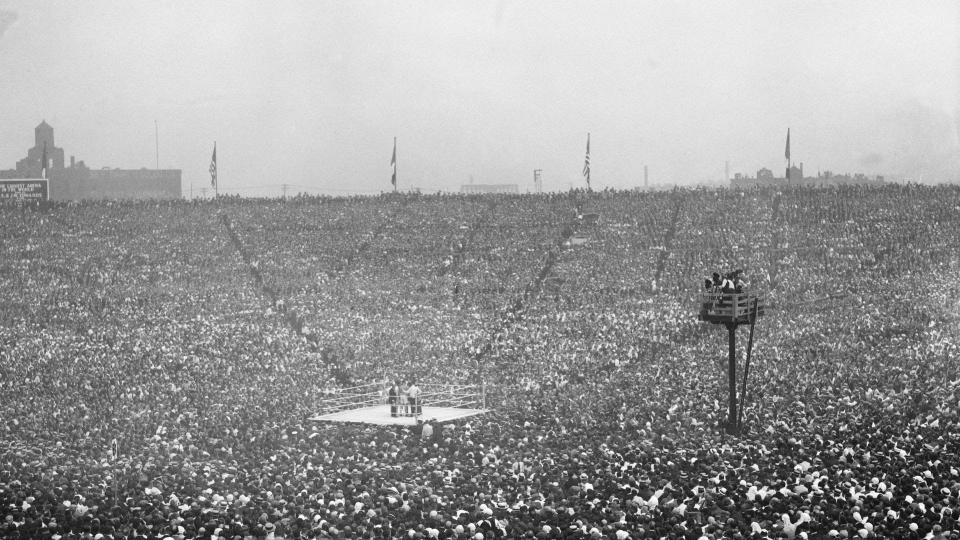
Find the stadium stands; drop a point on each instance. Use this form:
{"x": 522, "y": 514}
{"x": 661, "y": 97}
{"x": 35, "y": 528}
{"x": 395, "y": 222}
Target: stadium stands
{"x": 160, "y": 361}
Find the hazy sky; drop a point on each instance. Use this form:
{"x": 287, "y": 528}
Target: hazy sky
{"x": 312, "y": 93}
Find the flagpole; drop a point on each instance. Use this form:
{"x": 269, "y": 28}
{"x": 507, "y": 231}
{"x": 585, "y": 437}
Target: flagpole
{"x": 215, "y": 170}
{"x": 787, "y": 155}
{"x": 393, "y": 161}
{"x": 586, "y": 163}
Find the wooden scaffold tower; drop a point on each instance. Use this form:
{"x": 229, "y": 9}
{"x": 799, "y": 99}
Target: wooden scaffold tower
{"x": 733, "y": 309}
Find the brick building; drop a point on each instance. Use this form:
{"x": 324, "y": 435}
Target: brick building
{"x": 76, "y": 181}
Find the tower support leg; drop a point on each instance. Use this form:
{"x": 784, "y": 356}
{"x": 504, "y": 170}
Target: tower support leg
{"x": 732, "y": 369}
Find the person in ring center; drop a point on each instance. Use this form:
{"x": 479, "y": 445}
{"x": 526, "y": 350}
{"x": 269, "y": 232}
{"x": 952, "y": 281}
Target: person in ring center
{"x": 413, "y": 399}
{"x": 394, "y": 398}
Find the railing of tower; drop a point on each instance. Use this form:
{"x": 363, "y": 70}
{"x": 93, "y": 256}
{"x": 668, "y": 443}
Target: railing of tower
{"x": 720, "y": 307}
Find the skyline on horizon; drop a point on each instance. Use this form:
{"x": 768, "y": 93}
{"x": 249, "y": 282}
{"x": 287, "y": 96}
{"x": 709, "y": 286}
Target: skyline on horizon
{"x": 292, "y": 189}
{"x": 312, "y": 94}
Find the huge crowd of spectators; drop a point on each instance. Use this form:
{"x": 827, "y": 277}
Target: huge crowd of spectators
{"x": 159, "y": 362}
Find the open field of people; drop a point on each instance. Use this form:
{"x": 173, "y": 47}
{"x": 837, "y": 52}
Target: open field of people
{"x": 159, "y": 362}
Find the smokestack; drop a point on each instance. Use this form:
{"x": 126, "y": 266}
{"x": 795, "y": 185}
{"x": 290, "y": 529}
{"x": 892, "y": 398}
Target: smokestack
{"x": 646, "y": 177}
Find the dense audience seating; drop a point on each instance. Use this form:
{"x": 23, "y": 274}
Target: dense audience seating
{"x": 159, "y": 361}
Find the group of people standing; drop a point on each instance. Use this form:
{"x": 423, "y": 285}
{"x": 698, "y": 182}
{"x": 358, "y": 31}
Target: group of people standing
{"x": 404, "y": 399}
{"x": 730, "y": 283}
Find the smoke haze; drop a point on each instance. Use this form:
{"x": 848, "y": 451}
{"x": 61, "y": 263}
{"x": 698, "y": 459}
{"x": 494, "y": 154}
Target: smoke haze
{"x": 312, "y": 93}
{"x": 7, "y": 18}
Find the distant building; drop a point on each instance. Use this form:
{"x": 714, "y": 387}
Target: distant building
{"x": 489, "y": 188}
{"x": 765, "y": 177}
{"x": 794, "y": 175}
{"x": 29, "y": 167}
{"x": 77, "y": 181}
{"x": 830, "y": 179}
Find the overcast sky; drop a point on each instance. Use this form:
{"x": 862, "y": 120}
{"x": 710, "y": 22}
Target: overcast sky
{"x": 312, "y": 93}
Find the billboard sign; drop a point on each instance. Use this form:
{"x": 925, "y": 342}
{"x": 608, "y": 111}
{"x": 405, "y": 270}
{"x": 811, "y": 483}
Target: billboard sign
{"x": 25, "y": 189}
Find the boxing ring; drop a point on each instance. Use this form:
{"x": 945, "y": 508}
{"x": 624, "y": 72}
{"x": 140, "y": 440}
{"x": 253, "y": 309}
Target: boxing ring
{"x": 368, "y": 404}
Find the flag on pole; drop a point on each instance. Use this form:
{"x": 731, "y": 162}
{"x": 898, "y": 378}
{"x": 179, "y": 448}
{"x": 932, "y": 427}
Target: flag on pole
{"x": 43, "y": 161}
{"x": 786, "y": 153}
{"x": 213, "y": 167}
{"x": 393, "y": 162}
{"x": 586, "y": 163}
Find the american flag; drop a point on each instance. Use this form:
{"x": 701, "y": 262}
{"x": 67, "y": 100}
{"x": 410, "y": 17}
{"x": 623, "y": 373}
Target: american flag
{"x": 393, "y": 162}
{"x": 213, "y": 167}
{"x": 586, "y": 162}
